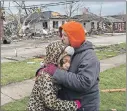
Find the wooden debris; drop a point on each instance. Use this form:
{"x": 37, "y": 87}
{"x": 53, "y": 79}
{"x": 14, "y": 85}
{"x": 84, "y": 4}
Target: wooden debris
{"x": 113, "y": 110}
{"x": 114, "y": 90}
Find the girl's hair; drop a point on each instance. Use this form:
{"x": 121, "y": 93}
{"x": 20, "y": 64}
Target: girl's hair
{"x": 61, "y": 62}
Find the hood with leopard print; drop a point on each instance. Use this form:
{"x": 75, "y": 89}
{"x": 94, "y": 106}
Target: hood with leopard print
{"x": 55, "y": 51}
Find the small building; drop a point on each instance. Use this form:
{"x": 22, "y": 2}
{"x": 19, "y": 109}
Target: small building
{"x": 47, "y": 20}
{"x": 118, "y": 25}
{"x": 89, "y": 21}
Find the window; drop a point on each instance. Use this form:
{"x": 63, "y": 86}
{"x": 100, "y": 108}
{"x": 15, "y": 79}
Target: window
{"x": 26, "y": 23}
{"x": 45, "y": 25}
{"x": 55, "y": 24}
{"x": 63, "y": 22}
{"x": 109, "y": 23}
{"x": 119, "y": 26}
{"x": 116, "y": 25}
{"x": 98, "y": 24}
{"x": 92, "y": 25}
{"x": 84, "y": 24}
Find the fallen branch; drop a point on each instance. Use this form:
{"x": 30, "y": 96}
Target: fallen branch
{"x": 113, "y": 110}
{"x": 114, "y": 90}
{"x": 10, "y": 58}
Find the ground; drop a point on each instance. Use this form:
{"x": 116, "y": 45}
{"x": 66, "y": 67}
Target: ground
{"x": 30, "y": 48}
{"x": 22, "y": 70}
{"x": 114, "y": 100}
{"x": 114, "y": 78}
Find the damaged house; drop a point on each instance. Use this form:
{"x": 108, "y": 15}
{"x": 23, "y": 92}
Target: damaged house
{"x": 49, "y": 21}
{"x": 89, "y": 21}
{"x": 118, "y": 25}
{"x": 107, "y": 24}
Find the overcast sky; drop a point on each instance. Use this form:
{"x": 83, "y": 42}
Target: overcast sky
{"x": 108, "y": 8}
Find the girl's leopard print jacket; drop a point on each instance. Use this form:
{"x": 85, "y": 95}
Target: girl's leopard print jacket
{"x": 45, "y": 90}
{"x": 44, "y": 96}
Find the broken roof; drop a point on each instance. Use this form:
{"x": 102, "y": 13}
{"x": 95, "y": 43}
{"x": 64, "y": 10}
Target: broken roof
{"x": 45, "y": 15}
{"x": 112, "y": 19}
{"x": 87, "y": 17}
{"x": 120, "y": 16}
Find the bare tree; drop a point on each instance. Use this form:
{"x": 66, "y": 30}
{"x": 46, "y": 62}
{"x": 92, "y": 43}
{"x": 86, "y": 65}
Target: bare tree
{"x": 20, "y": 4}
{"x": 24, "y": 6}
{"x": 71, "y": 7}
{"x": 1, "y": 21}
{"x": 17, "y": 17}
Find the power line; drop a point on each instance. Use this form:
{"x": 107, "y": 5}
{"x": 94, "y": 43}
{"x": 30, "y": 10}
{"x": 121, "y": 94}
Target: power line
{"x": 54, "y": 4}
{"x": 44, "y": 5}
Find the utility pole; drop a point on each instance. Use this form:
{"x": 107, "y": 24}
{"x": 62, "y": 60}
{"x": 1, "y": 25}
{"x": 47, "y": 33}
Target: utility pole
{"x": 0, "y": 21}
{"x": 101, "y": 9}
{"x": 25, "y": 7}
{"x": 98, "y": 25}
{"x": 2, "y": 18}
{"x": 100, "y": 12}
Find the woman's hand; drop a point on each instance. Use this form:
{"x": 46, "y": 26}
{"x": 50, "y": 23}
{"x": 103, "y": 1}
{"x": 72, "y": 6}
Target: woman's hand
{"x": 78, "y": 104}
{"x": 50, "y": 68}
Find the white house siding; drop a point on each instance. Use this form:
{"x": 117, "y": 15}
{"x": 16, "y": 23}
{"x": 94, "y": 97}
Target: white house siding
{"x": 51, "y": 25}
{"x": 59, "y": 22}
{"x": 88, "y": 25}
{"x": 48, "y": 25}
{"x": 95, "y": 24}
{"x": 38, "y": 26}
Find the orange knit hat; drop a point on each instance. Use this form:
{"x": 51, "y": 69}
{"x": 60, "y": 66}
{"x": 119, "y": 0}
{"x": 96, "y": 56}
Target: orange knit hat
{"x": 75, "y": 32}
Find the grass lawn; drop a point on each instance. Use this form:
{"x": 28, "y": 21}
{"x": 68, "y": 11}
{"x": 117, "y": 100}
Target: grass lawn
{"x": 19, "y": 71}
{"x": 112, "y": 78}
{"x": 19, "y": 105}
{"x": 115, "y": 100}
{"x": 110, "y": 51}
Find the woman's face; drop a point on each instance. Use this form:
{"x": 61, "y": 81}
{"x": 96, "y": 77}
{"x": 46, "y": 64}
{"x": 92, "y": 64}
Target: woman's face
{"x": 65, "y": 39}
{"x": 66, "y": 62}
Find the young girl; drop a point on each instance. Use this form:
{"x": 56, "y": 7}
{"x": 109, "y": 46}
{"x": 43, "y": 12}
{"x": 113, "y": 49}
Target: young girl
{"x": 45, "y": 90}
